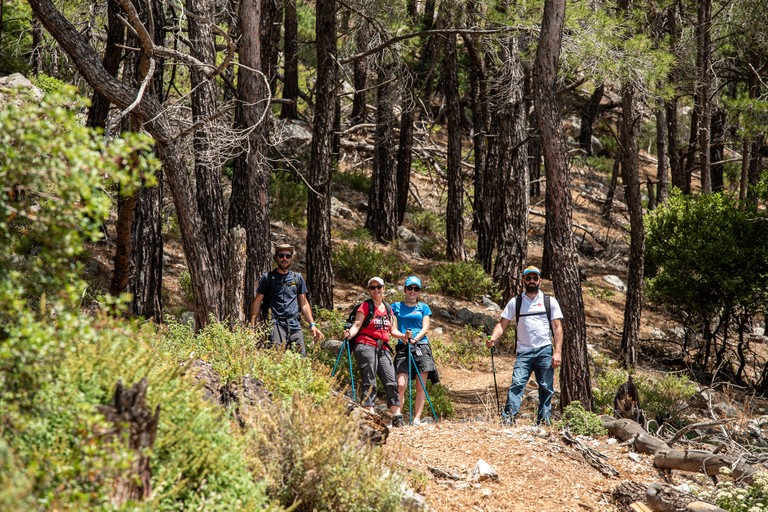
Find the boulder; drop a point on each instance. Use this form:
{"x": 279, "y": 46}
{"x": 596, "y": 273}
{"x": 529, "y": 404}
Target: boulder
{"x": 334, "y": 346}
{"x": 413, "y": 501}
{"x": 292, "y": 135}
{"x": 411, "y": 239}
{"x": 597, "y": 146}
{"x": 616, "y": 282}
{"x": 465, "y": 315}
{"x": 188, "y": 318}
{"x": 202, "y": 371}
{"x": 340, "y": 210}
{"x": 483, "y": 471}
{"x": 489, "y": 304}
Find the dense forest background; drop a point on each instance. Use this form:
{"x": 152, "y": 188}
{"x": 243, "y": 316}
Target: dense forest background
{"x": 191, "y": 126}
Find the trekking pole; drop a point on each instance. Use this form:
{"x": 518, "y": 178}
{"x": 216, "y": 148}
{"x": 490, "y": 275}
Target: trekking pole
{"x": 351, "y": 376}
{"x": 410, "y": 360}
{"x": 428, "y": 400}
{"x": 495, "y": 386}
{"x": 339, "y": 357}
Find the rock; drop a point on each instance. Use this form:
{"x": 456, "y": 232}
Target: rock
{"x": 483, "y": 471}
{"x": 477, "y": 319}
{"x": 248, "y": 390}
{"x": 445, "y": 314}
{"x": 361, "y": 205}
{"x": 489, "y": 304}
{"x": 373, "y": 428}
{"x": 19, "y": 81}
{"x": 438, "y": 330}
{"x": 411, "y": 239}
{"x": 340, "y": 210}
{"x": 202, "y": 371}
{"x": 727, "y": 410}
{"x": 413, "y": 501}
{"x": 611, "y": 440}
{"x": 485, "y": 492}
{"x": 616, "y": 282}
{"x": 465, "y": 315}
{"x": 188, "y": 318}
{"x": 636, "y": 457}
{"x": 334, "y": 346}
{"x": 293, "y": 135}
{"x": 658, "y": 333}
{"x": 539, "y": 432}
{"x": 489, "y": 323}
{"x": 597, "y": 146}
{"x": 676, "y": 332}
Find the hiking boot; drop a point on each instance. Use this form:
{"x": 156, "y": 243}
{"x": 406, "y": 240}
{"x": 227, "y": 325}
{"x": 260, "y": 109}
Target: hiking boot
{"x": 398, "y": 421}
{"x": 416, "y": 422}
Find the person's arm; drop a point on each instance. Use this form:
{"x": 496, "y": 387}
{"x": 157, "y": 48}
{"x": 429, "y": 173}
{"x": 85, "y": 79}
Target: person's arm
{"x": 355, "y": 328}
{"x": 424, "y": 329}
{"x": 393, "y": 330}
{"x": 557, "y": 330}
{"x": 256, "y": 308}
{"x": 306, "y": 310}
{"x": 498, "y": 331}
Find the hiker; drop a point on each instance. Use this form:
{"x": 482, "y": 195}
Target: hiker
{"x": 413, "y": 318}
{"x": 534, "y": 345}
{"x": 372, "y": 349}
{"x": 286, "y": 296}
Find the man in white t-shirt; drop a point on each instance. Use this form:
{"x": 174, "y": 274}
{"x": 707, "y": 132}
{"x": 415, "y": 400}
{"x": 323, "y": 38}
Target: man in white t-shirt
{"x": 535, "y": 353}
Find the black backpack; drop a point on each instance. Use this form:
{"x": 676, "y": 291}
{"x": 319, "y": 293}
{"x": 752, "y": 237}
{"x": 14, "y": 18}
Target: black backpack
{"x": 368, "y": 319}
{"x": 272, "y": 280}
{"x": 519, "y": 305}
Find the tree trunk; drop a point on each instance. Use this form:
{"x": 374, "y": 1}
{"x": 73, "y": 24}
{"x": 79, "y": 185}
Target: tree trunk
{"x": 589, "y": 113}
{"x": 149, "y": 113}
{"x": 512, "y": 196}
{"x": 382, "y": 198}
{"x": 121, "y": 271}
{"x": 575, "y": 382}
{"x": 480, "y": 120}
{"x": 608, "y": 206}
{"x": 717, "y": 149}
{"x": 454, "y": 219}
{"x": 291, "y": 66}
{"x": 359, "y": 106}
{"x": 37, "y": 47}
{"x": 486, "y": 234}
{"x": 755, "y": 169}
{"x": 661, "y": 154}
{"x": 234, "y": 282}
{"x": 249, "y": 203}
{"x": 703, "y": 60}
{"x": 319, "y": 265}
{"x": 271, "y": 23}
{"x": 691, "y": 149}
{"x": 97, "y": 114}
{"x": 405, "y": 147}
{"x": 146, "y": 282}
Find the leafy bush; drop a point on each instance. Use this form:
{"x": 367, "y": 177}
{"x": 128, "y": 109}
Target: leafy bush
{"x": 185, "y": 282}
{"x": 737, "y": 499}
{"x": 464, "y": 280}
{"x": 438, "y": 395}
{"x": 355, "y": 179}
{"x": 288, "y": 199}
{"x": 432, "y": 249}
{"x": 360, "y": 262}
{"x": 429, "y": 222}
{"x": 359, "y": 233}
{"x": 465, "y": 349}
{"x": 581, "y": 422}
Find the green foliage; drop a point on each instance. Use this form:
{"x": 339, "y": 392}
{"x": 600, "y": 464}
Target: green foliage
{"x": 463, "y": 279}
{"x": 360, "y": 262}
{"x": 185, "y": 282}
{"x": 48, "y": 83}
{"x": 432, "y": 249}
{"x": 171, "y": 226}
{"x": 581, "y": 422}
{"x": 728, "y": 496}
{"x": 467, "y": 345}
{"x": 418, "y": 480}
{"x": 601, "y": 164}
{"x": 438, "y": 394}
{"x": 359, "y": 233}
{"x": 429, "y": 223}
{"x": 355, "y": 179}
{"x": 603, "y": 294}
{"x": 288, "y": 199}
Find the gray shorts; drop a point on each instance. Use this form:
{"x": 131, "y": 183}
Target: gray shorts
{"x": 374, "y": 361}
{"x": 281, "y": 336}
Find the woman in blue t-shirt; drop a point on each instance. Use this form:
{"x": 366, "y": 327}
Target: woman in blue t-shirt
{"x": 414, "y": 316}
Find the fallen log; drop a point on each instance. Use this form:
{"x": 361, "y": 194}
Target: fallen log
{"x": 592, "y": 456}
{"x": 665, "y": 498}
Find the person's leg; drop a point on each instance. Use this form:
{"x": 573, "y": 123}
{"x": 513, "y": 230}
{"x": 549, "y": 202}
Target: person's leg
{"x": 386, "y": 372}
{"x": 542, "y": 367}
{"x": 278, "y": 336}
{"x": 402, "y": 386}
{"x": 421, "y": 396}
{"x": 366, "y": 362}
{"x": 520, "y": 376}
{"x": 401, "y": 369}
{"x": 296, "y": 342}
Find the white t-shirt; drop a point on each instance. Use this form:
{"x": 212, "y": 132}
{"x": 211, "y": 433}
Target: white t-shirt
{"x": 533, "y": 331}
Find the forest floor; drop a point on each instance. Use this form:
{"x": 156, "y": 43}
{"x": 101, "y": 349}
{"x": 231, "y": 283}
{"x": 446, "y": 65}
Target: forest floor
{"x": 536, "y": 473}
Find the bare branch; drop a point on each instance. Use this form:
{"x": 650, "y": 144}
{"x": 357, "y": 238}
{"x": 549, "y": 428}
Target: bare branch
{"x": 125, "y": 112}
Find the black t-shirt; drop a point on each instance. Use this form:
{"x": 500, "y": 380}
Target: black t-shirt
{"x": 286, "y": 289}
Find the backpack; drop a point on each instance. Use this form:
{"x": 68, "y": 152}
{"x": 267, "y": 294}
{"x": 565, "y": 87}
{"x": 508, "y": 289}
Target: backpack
{"x": 368, "y": 319}
{"x": 518, "y": 307}
{"x": 271, "y": 283}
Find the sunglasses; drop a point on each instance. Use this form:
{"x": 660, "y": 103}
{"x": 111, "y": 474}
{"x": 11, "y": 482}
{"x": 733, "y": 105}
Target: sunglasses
{"x": 413, "y": 288}
{"x": 375, "y": 287}
{"x": 531, "y": 278}
{"x": 285, "y": 255}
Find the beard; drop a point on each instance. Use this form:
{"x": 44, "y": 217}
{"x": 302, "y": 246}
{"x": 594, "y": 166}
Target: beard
{"x": 532, "y": 288}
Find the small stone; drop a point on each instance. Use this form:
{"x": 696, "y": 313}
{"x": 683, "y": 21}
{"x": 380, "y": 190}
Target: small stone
{"x": 611, "y": 440}
{"x": 438, "y": 330}
{"x": 483, "y": 471}
{"x": 489, "y": 304}
{"x": 445, "y": 314}
{"x": 486, "y": 492}
{"x": 635, "y": 457}
{"x": 616, "y": 282}
{"x": 413, "y": 501}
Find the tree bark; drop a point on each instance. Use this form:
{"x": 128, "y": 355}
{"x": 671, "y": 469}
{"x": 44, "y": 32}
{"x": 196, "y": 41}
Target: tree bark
{"x": 717, "y": 149}
{"x": 703, "y": 60}
{"x": 512, "y": 196}
{"x": 691, "y": 148}
{"x": 97, "y": 114}
{"x": 320, "y": 269}
{"x": 486, "y": 234}
{"x": 405, "y": 147}
{"x": 249, "y": 203}
{"x": 575, "y": 381}
{"x": 755, "y": 169}
{"x": 382, "y": 198}
{"x": 662, "y": 191}
{"x": 608, "y": 206}
{"x": 480, "y": 120}
{"x": 589, "y": 113}
{"x": 291, "y": 66}
{"x": 271, "y": 23}
{"x": 234, "y": 284}
{"x": 149, "y": 113}
{"x": 121, "y": 271}
{"x": 454, "y": 219}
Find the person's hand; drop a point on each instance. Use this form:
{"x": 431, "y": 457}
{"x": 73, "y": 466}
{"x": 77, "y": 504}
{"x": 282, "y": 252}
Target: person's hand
{"x": 346, "y": 334}
{"x": 409, "y": 336}
{"x": 489, "y": 342}
{"x": 557, "y": 360}
{"x": 316, "y": 334}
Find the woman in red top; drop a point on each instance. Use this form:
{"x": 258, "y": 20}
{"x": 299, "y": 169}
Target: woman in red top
{"x": 372, "y": 350}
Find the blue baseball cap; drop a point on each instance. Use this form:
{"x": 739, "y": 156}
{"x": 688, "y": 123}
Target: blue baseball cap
{"x": 413, "y": 280}
{"x": 531, "y": 269}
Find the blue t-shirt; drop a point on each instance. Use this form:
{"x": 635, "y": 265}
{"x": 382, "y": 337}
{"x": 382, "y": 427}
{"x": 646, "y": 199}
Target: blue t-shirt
{"x": 411, "y": 318}
{"x": 284, "y": 302}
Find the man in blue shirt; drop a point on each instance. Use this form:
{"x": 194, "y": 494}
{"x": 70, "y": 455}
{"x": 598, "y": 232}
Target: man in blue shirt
{"x": 535, "y": 353}
{"x": 286, "y": 292}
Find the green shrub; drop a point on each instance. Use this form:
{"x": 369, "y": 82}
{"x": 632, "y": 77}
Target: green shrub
{"x": 438, "y": 395}
{"x": 48, "y": 83}
{"x": 359, "y": 233}
{"x": 728, "y": 496}
{"x": 429, "y": 223}
{"x": 288, "y": 199}
{"x": 185, "y": 282}
{"x": 355, "y": 179}
{"x": 360, "y": 262}
{"x": 465, "y": 349}
{"x": 581, "y": 422}
{"x": 603, "y": 294}
{"x": 464, "y": 280}
{"x": 432, "y": 249}
{"x": 600, "y": 164}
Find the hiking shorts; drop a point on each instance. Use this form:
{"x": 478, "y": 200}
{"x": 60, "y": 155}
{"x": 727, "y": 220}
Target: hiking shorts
{"x": 374, "y": 361}
{"x": 282, "y": 336}
{"x": 423, "y": 363}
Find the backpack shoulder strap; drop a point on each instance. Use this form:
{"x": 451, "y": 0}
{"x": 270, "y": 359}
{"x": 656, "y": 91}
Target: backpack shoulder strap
{"x": 548, "y": 307}
{"x": 518, "y": 305}
{"x": 369, "y": 316}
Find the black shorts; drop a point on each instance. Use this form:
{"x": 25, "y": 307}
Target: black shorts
{"x": 421, "y": 364}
